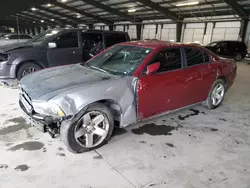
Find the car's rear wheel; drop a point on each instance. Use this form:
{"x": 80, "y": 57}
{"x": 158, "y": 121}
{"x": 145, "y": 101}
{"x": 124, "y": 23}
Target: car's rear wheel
{"x": 216, "y": 95}
{"x": 90, "y": 131}
{"x": 238, "y": 57}
{"x": 27, "y": 68}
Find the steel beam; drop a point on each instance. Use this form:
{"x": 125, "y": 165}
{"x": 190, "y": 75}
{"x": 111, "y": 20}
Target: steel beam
{"x": 60, "y": 21}
{"x": 35, "y": 18}
{"x": 237, "y": 8}
{"x": 167, "y": 13}
{"x": 73, "y": 9}
{"x": 73, "y": 19}
{"x": 107, "y": 8}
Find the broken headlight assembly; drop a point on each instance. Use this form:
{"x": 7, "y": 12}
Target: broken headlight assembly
{"x": 4, "y": 57}
{"x": 48, "y": 108}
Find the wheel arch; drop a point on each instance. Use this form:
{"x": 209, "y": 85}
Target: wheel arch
{"x": 115, "y": 108}
{"x": 28, "y": 61}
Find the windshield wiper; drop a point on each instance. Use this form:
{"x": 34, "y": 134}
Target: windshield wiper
{"x": 97, "y": 68}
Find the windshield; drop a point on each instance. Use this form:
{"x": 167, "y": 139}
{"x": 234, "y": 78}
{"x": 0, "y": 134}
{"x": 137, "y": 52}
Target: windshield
{"x": 39, "y": 39}
{"x": 119, "y": 60}
{"x": 212, "y": 44}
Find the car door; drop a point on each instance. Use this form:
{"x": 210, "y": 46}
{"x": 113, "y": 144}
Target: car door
{"x": 221, "y": 49}
{"x": 92, "y": 44}
{"x": 66, "y": 50}
{"x": 201, "y": 75}
{"x": 164, "y": 90}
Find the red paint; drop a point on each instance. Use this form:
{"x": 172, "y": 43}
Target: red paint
{"x": 166, "y": 91}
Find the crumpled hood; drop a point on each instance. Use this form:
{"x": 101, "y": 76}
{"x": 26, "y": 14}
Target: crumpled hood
{"x": 14, "y": 46}
{"x": 60, "y": 79}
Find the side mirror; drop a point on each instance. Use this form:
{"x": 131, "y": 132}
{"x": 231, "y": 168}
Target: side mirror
{"x": 153, "y": 68}
{"x": 52, "y": 45}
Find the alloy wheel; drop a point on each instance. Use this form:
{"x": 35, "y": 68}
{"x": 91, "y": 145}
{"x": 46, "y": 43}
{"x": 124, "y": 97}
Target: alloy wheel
{"x": 218, "y": 94}
{"x": 238, "y": 57}
{"x": 28, "y": 70}
{"x": 91, "y": 129}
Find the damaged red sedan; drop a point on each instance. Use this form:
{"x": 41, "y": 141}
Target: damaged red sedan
{"x": 125, "y": 84}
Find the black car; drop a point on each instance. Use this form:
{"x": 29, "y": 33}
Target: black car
{"x": 230, "y": 49}
{"x": 55, "y": 47}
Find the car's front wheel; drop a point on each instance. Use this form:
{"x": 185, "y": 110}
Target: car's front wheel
{"x": 27, "y": 68}
{"x": 238, "y": 57}
{"x": 90, "y": 131}
{"x": 216, "y": 95}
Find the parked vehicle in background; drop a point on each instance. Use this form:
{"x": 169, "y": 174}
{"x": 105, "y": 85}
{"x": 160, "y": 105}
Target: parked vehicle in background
{"x": 248, "y": 57}
{"x": 229, "y": 49}
{"x": 55, "y": 47}
{"x": 127, "y": 83}
{"x": 14, "y": 38}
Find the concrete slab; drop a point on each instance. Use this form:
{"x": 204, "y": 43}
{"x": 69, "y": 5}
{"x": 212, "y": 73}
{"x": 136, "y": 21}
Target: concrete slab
{"x": 194, "y": 147}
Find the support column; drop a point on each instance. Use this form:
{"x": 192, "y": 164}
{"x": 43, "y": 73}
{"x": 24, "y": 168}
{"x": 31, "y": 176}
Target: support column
{"x": 243, "y": 29}
{"x": 178, "y": 31}
{"x": 138, "y": 31}
{"x": 91, "y": 26}
{"x": 111, "y": 27}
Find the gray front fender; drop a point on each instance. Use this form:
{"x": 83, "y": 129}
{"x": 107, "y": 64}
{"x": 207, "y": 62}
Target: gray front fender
{"x": 121, "y": 90}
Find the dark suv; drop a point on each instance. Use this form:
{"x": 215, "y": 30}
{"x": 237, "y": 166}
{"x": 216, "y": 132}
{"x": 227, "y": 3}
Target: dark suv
{"x": 55, "y": 47}
{"x": 231, "y": 49}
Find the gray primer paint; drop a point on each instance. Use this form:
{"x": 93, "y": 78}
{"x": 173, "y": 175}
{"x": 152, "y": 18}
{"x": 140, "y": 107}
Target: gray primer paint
{"x": 74, "y": 87}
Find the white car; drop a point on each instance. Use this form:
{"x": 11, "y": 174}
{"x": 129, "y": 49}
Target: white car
{"x": 14, "y": 38}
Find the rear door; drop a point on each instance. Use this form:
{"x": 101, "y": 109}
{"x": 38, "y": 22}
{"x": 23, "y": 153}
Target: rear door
{"x": 92, "y": 44}
{"x": 68, "y": 50}
{"x": 165, "y": 90}
{"x": 201, "y": 74}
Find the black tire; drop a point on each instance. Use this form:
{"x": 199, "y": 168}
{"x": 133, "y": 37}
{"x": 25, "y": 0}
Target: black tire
{"x": 68, "y": 127}
{"x": 25, "y": 66}
{"x": 208, "y": 103}
{"x": 238, "y": 57}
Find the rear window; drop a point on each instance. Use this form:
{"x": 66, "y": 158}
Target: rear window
{"x": 194, "y": 56}
{"x": 114, "y": 38}
{"x": 242, "y": 45}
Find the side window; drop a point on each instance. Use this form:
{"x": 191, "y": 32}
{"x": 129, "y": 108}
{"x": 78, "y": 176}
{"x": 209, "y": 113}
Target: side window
{"x": 89, "y": 40}
{"x": 170, "y": 59}
{"x": 114, "y": 38}
{"x": 25, "y": 37}
{"x": 92, "y": 43}
{"x": 67, "y": 40}
{"x": 194, "y": 56}
{"x": 13, "y": 37}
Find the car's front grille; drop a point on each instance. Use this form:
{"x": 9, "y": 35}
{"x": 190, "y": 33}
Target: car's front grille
{"x": 26, "y": 101}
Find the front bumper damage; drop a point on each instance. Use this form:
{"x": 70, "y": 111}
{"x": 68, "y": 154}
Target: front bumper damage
{"x": 43, "y": 123}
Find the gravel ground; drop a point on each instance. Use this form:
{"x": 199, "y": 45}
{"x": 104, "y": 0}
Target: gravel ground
{"x": 191, "y": 148}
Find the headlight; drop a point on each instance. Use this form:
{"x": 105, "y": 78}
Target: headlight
{"x": 4, "y": 57}
{"x": 48, "y": 108}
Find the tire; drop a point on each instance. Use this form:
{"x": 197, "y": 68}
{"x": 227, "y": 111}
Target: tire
{"x": 68, "y": 129}
{"x": 24, "y": 67}
{"x": 238, "y": 57}
{"x": 209, "y": 103}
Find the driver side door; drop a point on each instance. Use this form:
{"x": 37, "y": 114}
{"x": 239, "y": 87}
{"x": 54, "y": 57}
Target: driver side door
{"x": 67, "y": 50}
{"x": 164, "y": 90}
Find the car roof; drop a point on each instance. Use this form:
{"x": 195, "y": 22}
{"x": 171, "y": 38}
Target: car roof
{"x": 88, "y": 30}
{"x": 156, "y": 44}
{"x": 227, "y": 41}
